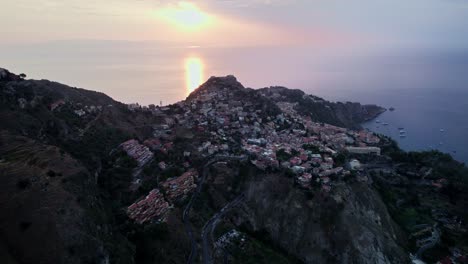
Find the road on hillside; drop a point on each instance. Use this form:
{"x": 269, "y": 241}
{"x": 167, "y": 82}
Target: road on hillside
{"x": 188, "y": 207}
{"x": 207, "y": 233}
{"x": 434, "y": 239}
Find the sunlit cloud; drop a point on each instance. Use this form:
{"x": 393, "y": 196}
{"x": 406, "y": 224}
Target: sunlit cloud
{"x": 240, "y": 22}
{"x": 184, "y": 15}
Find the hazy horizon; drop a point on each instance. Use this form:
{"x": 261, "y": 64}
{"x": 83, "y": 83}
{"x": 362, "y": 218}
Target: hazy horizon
{"x": 155, "y": 42}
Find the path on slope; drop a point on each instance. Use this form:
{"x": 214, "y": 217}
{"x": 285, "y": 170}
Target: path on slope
{"x": 186, "y": 213}
{"x": 434, "y": 239}
{"x": 207, "y": 233}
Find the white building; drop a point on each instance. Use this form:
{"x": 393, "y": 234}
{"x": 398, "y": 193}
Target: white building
{"x": 364, "y": 150}
{"x": 354, "y": 164}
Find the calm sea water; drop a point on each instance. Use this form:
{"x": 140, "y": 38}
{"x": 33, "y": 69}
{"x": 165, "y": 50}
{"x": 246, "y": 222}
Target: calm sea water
{"x": 428, "y": 90}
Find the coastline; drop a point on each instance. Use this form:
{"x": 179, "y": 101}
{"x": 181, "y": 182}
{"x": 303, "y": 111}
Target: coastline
{"x": 414, "y": 140}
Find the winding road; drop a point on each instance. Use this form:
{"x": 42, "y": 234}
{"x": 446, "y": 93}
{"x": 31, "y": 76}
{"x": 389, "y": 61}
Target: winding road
{"x": 186, "y": 214}
{"x": 434, "y": 239}
{"x": 207, "y": 233}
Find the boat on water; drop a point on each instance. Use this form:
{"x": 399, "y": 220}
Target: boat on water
{"x": 377, "y": 121}
{"x": 391, "y": 109}
{"x": 385, "y": 124}
{"x": 402, "y": 134}
{"x": 442, "y": 130}
{"x": 401, "y": 128}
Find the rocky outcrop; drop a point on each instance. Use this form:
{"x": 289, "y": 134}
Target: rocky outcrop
{"x": 7, "y": 76}
{"x": 214, "y": 84}
{"x": 348, "y": 114}
{"x": 349, "y": 225}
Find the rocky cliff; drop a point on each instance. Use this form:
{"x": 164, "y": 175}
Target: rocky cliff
{"x": 349, "y": 225}
{"x": 347, "y": 114}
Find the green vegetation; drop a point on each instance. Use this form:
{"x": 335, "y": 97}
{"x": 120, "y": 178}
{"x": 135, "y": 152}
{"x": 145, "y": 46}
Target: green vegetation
{"x": 409, "y": 217}
{"x": 170, "y": 173}
{"x": 147, "y": 240}
{"x": 259, "y": 248}
{"x": 294, "y": 152}
{"x": 95, "y": 144}
{"x": 404, "y": 206}
{"x": 245, "y": 173}
{"x": 443, "y": 165}
{"x": 66, "y": 114}
{"x": 340, "y": 159}
{"x": 257, "y": 252}
{"x": 311, "y": 147}
{"x": 411, "y": 203}
{"x": 282, "y": 155}
{"x": 117, "y": 176}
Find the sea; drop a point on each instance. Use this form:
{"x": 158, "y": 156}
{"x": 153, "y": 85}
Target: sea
{"x": 427, "y": 89}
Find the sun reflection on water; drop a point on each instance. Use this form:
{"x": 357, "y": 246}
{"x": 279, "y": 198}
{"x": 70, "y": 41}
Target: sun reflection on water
{"x": 193, "y": 73}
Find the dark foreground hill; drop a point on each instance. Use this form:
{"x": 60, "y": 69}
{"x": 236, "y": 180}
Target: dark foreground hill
{"x": 229, "y": 175}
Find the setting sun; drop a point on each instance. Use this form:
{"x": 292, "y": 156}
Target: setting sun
{"x": 184, "y": 15}
{"x": 193, "y": 73}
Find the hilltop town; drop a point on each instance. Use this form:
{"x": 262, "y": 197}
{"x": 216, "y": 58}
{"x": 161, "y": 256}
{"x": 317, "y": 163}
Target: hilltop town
{"x": 273, "y": 139}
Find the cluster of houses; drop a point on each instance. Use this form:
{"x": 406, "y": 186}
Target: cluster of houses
{"x": 292, "y": 153}
{"x": 228, "y": 239}
{"x": 79, "y": 109}
{"x": 137, "y": 151}
{"x": 56, "y": 104}
{"x": 179, "y": 187}
{"x": 141, "y": 154}
{"x": 449, "y": 222}
{"x": 156, "y": 204}
{"x": 310, "y": 153}
{"x": 87, "y": 109}
{"x": 153, "y": 206}
{"x": 310, "y": 147}
{"x": 456, "y": 257}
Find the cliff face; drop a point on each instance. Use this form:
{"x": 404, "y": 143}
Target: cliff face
{"x": 350, "y": 225}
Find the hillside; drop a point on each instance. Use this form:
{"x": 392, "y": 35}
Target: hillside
{"x": 230, "y": 174}
{"x": 347, "y": 114}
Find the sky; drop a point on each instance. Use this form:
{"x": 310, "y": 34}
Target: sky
{"x": 368, "y": 24}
